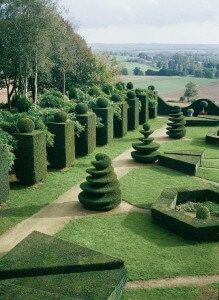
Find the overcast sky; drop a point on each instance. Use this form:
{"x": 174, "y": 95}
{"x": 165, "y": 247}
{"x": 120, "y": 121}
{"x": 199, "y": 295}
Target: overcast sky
{"x": 145, "y": 21}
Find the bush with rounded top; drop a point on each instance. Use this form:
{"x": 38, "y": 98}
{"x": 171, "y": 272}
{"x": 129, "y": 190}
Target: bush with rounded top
{"x": 202, "y": 212}
{"x": 107, "y": 88}
{"x": 176, "y": 125}
{"x": 102, "y": 103}
{"x": 94, "y": 91}
{"x": 73, "y": 93}
{"x": 25, "y": 125}
{"x": 120, "y": 86}
{"x": 60, "y": 117}
{"x": 101, "y": 191}
{"x": 129, "y": 86}
{"x": 81, "y": 109}
{"x": 131, "y": 95}
{"x": 146, "y": 149}
{"x": 151, "y": 88}
{"x": 116, "y": 98}
{"x": 23, "y": 104}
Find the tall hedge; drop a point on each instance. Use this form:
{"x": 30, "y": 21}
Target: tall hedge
{"x": 121, "y": 123}
{"x": 86, "y": 142}
{"x": 4, "y": 176}
{"x": 101, "y": 191}
{"x": 146, "y": 149}
{"x": 133, "y": 111}
{"x": 62, "y": 154}
{"x": 104, "y": 134}
{"x": 176, "y": 125}
{"x": 153, "y": 110}
{"x": 144, "y": 113}
{"x": 31, "y": 160}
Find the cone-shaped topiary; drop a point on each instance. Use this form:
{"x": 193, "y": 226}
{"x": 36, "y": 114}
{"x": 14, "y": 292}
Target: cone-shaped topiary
{"x": 60, "y": 116}
{"x": 25, "y": 125}
{"x": 81, "y": 108}
{"x": 176, "y": 126}
{"x": 101, "y": 191}
{"x": 146, "y": 150}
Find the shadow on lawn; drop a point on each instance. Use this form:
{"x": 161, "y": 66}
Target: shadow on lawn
{"x": 19, "y": 212}
{"x": 141, "y": 225}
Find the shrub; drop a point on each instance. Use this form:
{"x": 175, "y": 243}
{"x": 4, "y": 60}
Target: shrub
{"x": 146, "y": 150}
{"x": 129, "y": 86}
{"x": 120, "y": 122}
{"x": 116, "y": 98}
{"x": 101, "y": 191}
{"x": 176, "y": 126}
{"x": 120, "y": 86}
{"x": 107, "y": 88}
{"x": 202, "y": 212}
{"x": 25, "y": 125}
{"x": 73, "y": 93}
{"x": 102, "y": 103}
{"x": 94, "y": 91}
{"x": 23, "y": 104}
{"x": 52, "y": 99}
{"x": 60, "y": 117}
{"x": 204, "y": 104}
{"x": 81, "y": 109}
{"x": 151, "y": 88}
{"x": 131, "y": 95}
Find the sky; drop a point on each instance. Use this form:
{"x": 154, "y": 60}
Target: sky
{"x": 145, "y": 21}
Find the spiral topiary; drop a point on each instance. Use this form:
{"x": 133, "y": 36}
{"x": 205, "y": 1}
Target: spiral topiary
{"x": 60, "y": 117}
{"x": 102, "y": 103}
{"x": 101, "y": 191}
{"x": 116, "y": 98}
{"x": 131, "y": 95}
{"x": 129, "y": 86}
{"x": 25, "y": 125}
{"x": 81, "y": 109}
{"x": 146, "y": 150}
{"x": 176, "y": 126}
{"x": 202, "y": 212}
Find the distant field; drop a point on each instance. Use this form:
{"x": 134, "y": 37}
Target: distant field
{"x": 131, "y": 65}
{"x": 172, "y": 87}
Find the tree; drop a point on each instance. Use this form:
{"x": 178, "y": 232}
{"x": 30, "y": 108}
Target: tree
{"x": 125, "y": 71}
{"x": 137, "y": 71}
{"x": 190, "y": 91}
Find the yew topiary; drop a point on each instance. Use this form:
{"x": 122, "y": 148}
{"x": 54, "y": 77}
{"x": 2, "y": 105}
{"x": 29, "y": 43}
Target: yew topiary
{"x": 146, "y": 149}
{"x": 60, "y": 117}
{"x": 25, "y": 125}
{"x": 129, "y": 86}
{"x": 101, "y": 191}
{"x": 176, "y": 127}
{"x": 81, "y": 109}
{"x": 102, "y": 103}
{"x": 131, "y": 95}
{"x": 116, "y": 98}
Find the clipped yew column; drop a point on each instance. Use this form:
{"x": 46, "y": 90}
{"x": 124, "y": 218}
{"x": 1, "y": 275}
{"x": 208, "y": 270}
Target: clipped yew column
{"x": 120, "y": 122}
{"x": 133, "y": 111}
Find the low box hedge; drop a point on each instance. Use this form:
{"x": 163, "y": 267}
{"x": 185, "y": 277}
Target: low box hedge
{"x": 212, "y": 138}
{"x": 133, "y": 114}
{"x": 31, "y": 159}
{"x": 41, "y": 262}
{"x": 104, "y": 134}
{"x": 200, "y": 121}
{"x": 144, "y": 113}
{"x": 4, "y": 175}
{"x": 62, "y": 154}
{"x": 120, "y": 125}
{"x": 86, "y": 142}
{"x": 164, "y": 214}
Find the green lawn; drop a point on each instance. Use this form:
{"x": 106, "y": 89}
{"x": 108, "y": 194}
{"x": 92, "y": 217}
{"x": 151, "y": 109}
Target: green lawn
{"x": 148, "y": 250}
{"x": 177, "y": 293}
{"x": 25, "y": 201}
{"x": 131, "y": 65}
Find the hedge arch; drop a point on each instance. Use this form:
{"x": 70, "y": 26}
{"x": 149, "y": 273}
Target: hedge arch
{"x": 146, "y": 149}
{"x": 176, "y": 125}
{"x": 101, "y": 191}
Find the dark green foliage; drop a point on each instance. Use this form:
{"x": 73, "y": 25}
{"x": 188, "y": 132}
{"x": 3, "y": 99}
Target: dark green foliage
{"x": 101, "y": 191}
{"x": 153, "y": 110}
{"x": 202, "y": 121}
{"x": 133, "y": 111}
{"x": 151, "y": 88}
{"x": 146, "y": 150}
{"x": 183, "y": 161}
{"x": 25, "y": 125}
{"x": 30, "y": 162}
{"x": 86, "y": 142}
{"x": 104, "y": 134}
{"x": 176, "y": 125}
{"x": 212, "y": 138}
{"x": 81, "y": 109}
{"x": 60, "y": 117}
{"x": 120, "y": 86}
{"x": 202, "y": 212}
{"x": 116, "y": 98}
{"x": 52, "y": 99}
{"x": 129, "y": 86}
{"x": 164, "y": 213}
{"x": 120, "y": 124}
{"x": 62, "y": 154}
{"x": 46, "y": 261}
{"x": 144, "y": 113}
{"x": 94, "y": 91}
{"x": 165, "y": 109}
{"x": 23, "y": 104}
{"x": 72, "y": 93}
{"x": 4, "y": 174}
{"x": 204, "y": 103}
{"x": 107, "y": 88}
{"x": 102, "y": 103}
